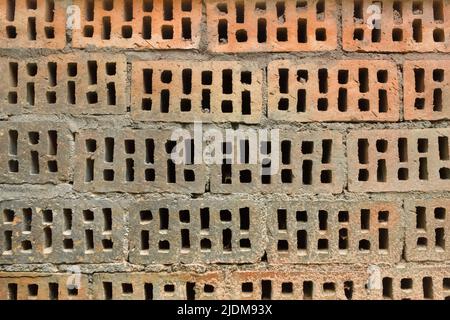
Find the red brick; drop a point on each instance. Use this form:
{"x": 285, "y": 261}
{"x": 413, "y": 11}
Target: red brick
{"x": 158, "y": 286}
{"x": 196, "y": 231}
{"x": 427, "y": 89}
{"x": 342, "y": 90}
{"x": 33, "y": 24}
{"x": 42, "y": 286}
{"x": 334, "y": 232}
{"x": 182, "y": 91}
{"x": 271, "y": 26}
{"x": 408, "y": 25}
{"x": 135, "y": 161}
{"x": 139, "y": 24}
{"x": 398, "y": 160}
{"x": 74, "y": 83}
{"x": 427, "y": 230}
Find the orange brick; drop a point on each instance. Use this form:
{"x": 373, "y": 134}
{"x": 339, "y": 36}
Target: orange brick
{"x": 427, "y": 230}
{"x": 257, "y": 26}
{"x": 42, "y": 286}
{"x": 405, "y": 26}
{"x": 182, "y": 91}
{"x": 343, "y": 90}
{"x": 33, "y": 24}
{"x": 139, "y": 24}
{"x": 427, "y": 89}
{"x": 398, "y": 160}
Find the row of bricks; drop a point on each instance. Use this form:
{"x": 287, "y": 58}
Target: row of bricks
{"x": 234, "y": 230}
{"x": 226, "y": 91}
{"x": 223, "y": 161}
{"x": 232, "y": 25}
{"x": 356, "y": 283}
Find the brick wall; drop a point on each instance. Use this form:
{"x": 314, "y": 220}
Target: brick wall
{"x": 93, "y": 205}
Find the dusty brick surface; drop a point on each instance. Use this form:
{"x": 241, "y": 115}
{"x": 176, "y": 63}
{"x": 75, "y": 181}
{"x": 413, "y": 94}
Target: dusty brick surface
{"x": 427, "y": 89}
{"x": 89, "y": 83}
{"x": 158, "y": 286}
{"x": 427, "y": 230}
{"x": 398, "y": 160}
{"x": 196, "y": 231}
{"x": 133, "y": 161}
{"x": 42, "y": 286}
{"x": 139, "y": 24}
{"x": 33, "y": 24}
{"x": 61, "y": 231}
{"x": 34, "y": 152}
{"x": 183, "y": 91}
{"x": 343, "y": 90}
{"x": 271, "y": 26}
{"x": 418, "y": 26}
{"x": 309, "y": 162}
{"x": 334, "y": 232}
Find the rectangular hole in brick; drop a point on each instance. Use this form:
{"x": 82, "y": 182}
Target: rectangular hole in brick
{"x": 186, "y": 30}
{"x": 165, "y": 101}
{"x": 363, "y": 151}
{"x": 343, "y": 76}
{"x": 403, "y": 149}
{"x": 146, "y": 104}
{"x": 106, "y": 28}
{"x": 12, "y": 291}
{"x": 31, "y": 28}
{"x": 89, "y": 10}
{"x": 49, "y": 32}
{"x": 443, "y": 148}
{"x": 10, "y": 9}
{"x": 302, "y": 31}
{"x": 320, "y": 10}
{"x": 358, "y": 34}
{"x": 8, "y": 216}
{"x": 421, "y": 218}
{"x": 383, "y": 239}
{"x": 92, "y": 97}
{"x": 163, "y": 219}
{"x": 322, "y": 245}
{"x": 109, "y": 150}
{"x": 206, "y": 100}
{"x": 171, "y": 172}
{"x": 13, "y": 74}
{"x": 282, "y": 219}
{"x": 417, "y": 7}
{"x": 301, "y": 100}
{"x": 167, "y": 32}
{"x": 33, "y": 290}
{"x": 190, "y": 290}
{"x": 88, "y": 31}
{"x": 387, "y": 288}
{"x": 127, "y": 288}
{"x": 329, "y": 288}
{"x": 323, "y": 80}
{"x": 12, "y": 97}
{"x": 262, "y": 30}
{"x": 186, "y": 5}
{"x": 244, "y": 151}
{"x": 246, "y": 102}
{"x": 130, "y": 146}
{"x": 301, "y": 216}
{"x": 89, "y": 240}
{"x": 34, "y": 165}
{"x": 47, "y": 216}
{"x": 307, "y": 147}
{"x": 438, "y": 10}
{"x": 185, "y": 216}
{"x": 381, "y": 170}
{"x": 149, "y": 151}
{"x": 440, "y": 238}
{"x": 47, "y": 238}
{"x": 168, "y": 9}
{"x": 438, "y": 75}
{"x": 365, "y": 219}
{"x": 376, "y": 35}
{"x": 240, "y": 11}
{"x": 266, "y": 290}
{"x": 227, "y": 106}
{"x": 7, "y": 240}
{"x": 282, "y": 34}
{"x": 244, "y": 218}
{"x": 363, "y": 76}
{"x": 27, "y": 219}
{"x": 417, "y": 30}
{"x": 283, "y": 80}
{"x": 321, "y": 34}
{"x": 227, "y": 81}
{"x": 12, "y": 137}
{"x": 247, "y": 287}
{"x": 227, "y": 240}
{"x": 302, "y": 240}
{"x": 348, "y": 289}
{"x": 33, "y": 137}
{"x": 147, "y": 28}
{"x": 67, "y": 219}
{"x": 343, "y": 239}
{"x": 398, "y": 11}
{"x": 147, "y": 81}
{"x": 52, "y": 72}
{"x": 286, "y": 152}
{"x": 92, "y": 72}
{"x": 107, "y": 219}
{"x": 437, "y": 100}
{"x": 281, "y": 8}
{"x": 89, "y": 174}
{"x": 427, "y": 285}
{"x": 128, "y": 10}
{"x": 323, "y": 220}
{"x": 382, "y": 101}
{"x": 187, "y": 81}
{"x": 446, "y": 284}
{"x": 423, "y": 168}
{"x": 308, "y": 290}
{"x": 397, "y": 35}
{"x": 307, "y": 172}
{"x": 108, "y": 5}
{"x": 31, "y": 95}
{"x": 342, "y": 100}
{"x": 129, "y": 170}
{"x": 111, "y": 68}
{"x": 204, "y": 218}
{"x": 207, "y": 78}
{"x": 222, "y": 31}
{"x": 108, "y": 290}
{"x": 111, "y": 94}
{"x": 147, "y": 5}
{"x": 185, "y": 240}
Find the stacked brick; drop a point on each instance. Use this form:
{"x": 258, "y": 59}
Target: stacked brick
{"x": 341, "y": 191}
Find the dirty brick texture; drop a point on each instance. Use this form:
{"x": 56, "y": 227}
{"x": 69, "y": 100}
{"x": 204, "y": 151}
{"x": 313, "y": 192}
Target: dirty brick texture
{"x": 337, "y": 187}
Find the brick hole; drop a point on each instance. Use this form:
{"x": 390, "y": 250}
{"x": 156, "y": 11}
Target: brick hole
{"x": 11, "y": 32}
{"x": 34, "y": 137}
{"x": 8, "y": 216}
{"x": 423, "y": 168}
{"x": 343, "y": 76}
{"x": 169, "y": 288}
{"x": 387, "y": 288}
{"x": 12, "y": 291}
{"x": 148, "y": 80}
{"x": 27, "y": 246}
{"x": 47, "y": 240}
{"x": 283, "y": 104}
{"x": 205, "y": 244}
{"x": 246, "y": 102}
{"x": 417, "y": 7}
{"x": 286, "y": 152}
{"x": 10, "y": 9}
{"x": 7, "y": 240}
{"x": 92, "y": 97}
{"x": 323, "y": 80}
{"x": 302, "y": 240}
{"x": 282, "y": 219}
{"x": 343, "y": 239}
{"x": 327, "y": 146}
{"x": 398, "y": 12}
{"x": 186, "y": 29}
{"x": 49, "y": 10}
{"x": 302, "y": 31}
{"x": 12, "y": 97}
{"x": 31, "y": 95}
{"x": 382, "y": 145}
{"x": 148, "y": 291}
{"x": 222, "y": 31}
{"x": 68, "y": 244}
{"x": 88, "y": 31}
{"x": 129, "y": 170}
{"x": 320, "y": 10}
{"x": 383, "y": 216}
{"x": 47, "y": 216}
{"x": 51, "y": 97}
{"x": 321, "y": 34}
{"x": 190, "y": 290}
{"x": 92, "y": 72}
{"x": 348, "y": 289}
{"x": 106, "y": 28}
{"x": 282, "y": 34}
{"x": 446, "y": 284}
{"x": 33, "y": 290}
{"x": 397, "y": 35}
{"x": 363, "y": 151}
{"x": 301, "y": 5}
{"x": 34, "y": 165}
{"x": 226, "y": 240}
{"x": 437, "y": 100}
{"x": 247, "y": 287}
{"x": 49, "y": 32}
{"x": 323, "y": 220}
{"x": 108, "y": 5}
{"x": 422, "y": 243}
{"x": 301, "y": 216}
{"x": 127, "y": 288}
{"x": 67, "y": 220}
{"x": 358, "y": 34}
{"x": 146, "y": 27}
{"x": 88, "y": 216}
{"x": 167, "y": 32}
{"x": 342, "y": 100}
{"x": 262, "y": 30}
{"x": 343, "y": 216}
{"x": 32, "y": 69}
{"x": 227, "y": 106}
{"x": 322, "y": 245}
{"x": 111, "y": 94}
{"x": 127, "y": 32}
{"x": 164, "y": 246}
{"x": 12, "y": 137}
{"x": 382, "y": 101}
{"x": 108, "y": 290}
{"x": 439, "y": 239}
{"x": 364, "y": 245}
{"x": 27, "y": 219}
{"x": 438, "y": 11}
{"x": 322, "y": 104}
{"x": 287, "y": 288}
{"x": 307, "y": 172}
{"x": 245, "y": 244}
{"x": 283, "y": 80}
{"x": 406, "y": 284}
{"x": 307, "y": 147}
{"x": 286, "y": 176}
{"x": 226, "y": 173}
{"x": 266, "y": 290}
{"x": 376, "y": 35}
{"x": 308, "y": 290}
{"x": 145, "y": 240}
{"x": 329, "y": 288}
{"x": 421, "y": 218}
{"x": 438, "y": 75}
{"x": 383, "y": 239}
{"x": 365, "y": 219}
{"x": 417, "y": 30}
{"x": 439, "y": 213}
{"x": 363, "y": 78}
{"x": 31, "y": 28}
{"x": 427, "y": 285}
{"x": 301, "y": 100}
{"x": 185, "y": 240}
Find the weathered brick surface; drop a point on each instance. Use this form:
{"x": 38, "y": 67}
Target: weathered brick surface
{"x": 42, "y": 286}
{"x": 33, "y": 24}
{"x": 34, "y": 152}
{"x": 61, "y": 231}
{"x": 139, "y": 24}
{"x": 334, "y": 232}
{"x": 308, "y": 162}
{"x": 252, "y": 26}
{"x": 427, "y": 230}
{"x": 398, "y": 160}
{"x": 196, "y": 231}
{"x": 158, "y": 286}
{"x": 64, "y": 83}
{"x": 133, "y": 161}
{"x": 427, "y": 89}
{"x": 183, "y": 91}
{"x": 408, "y": 25}
{"x": 342, "y": 90}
